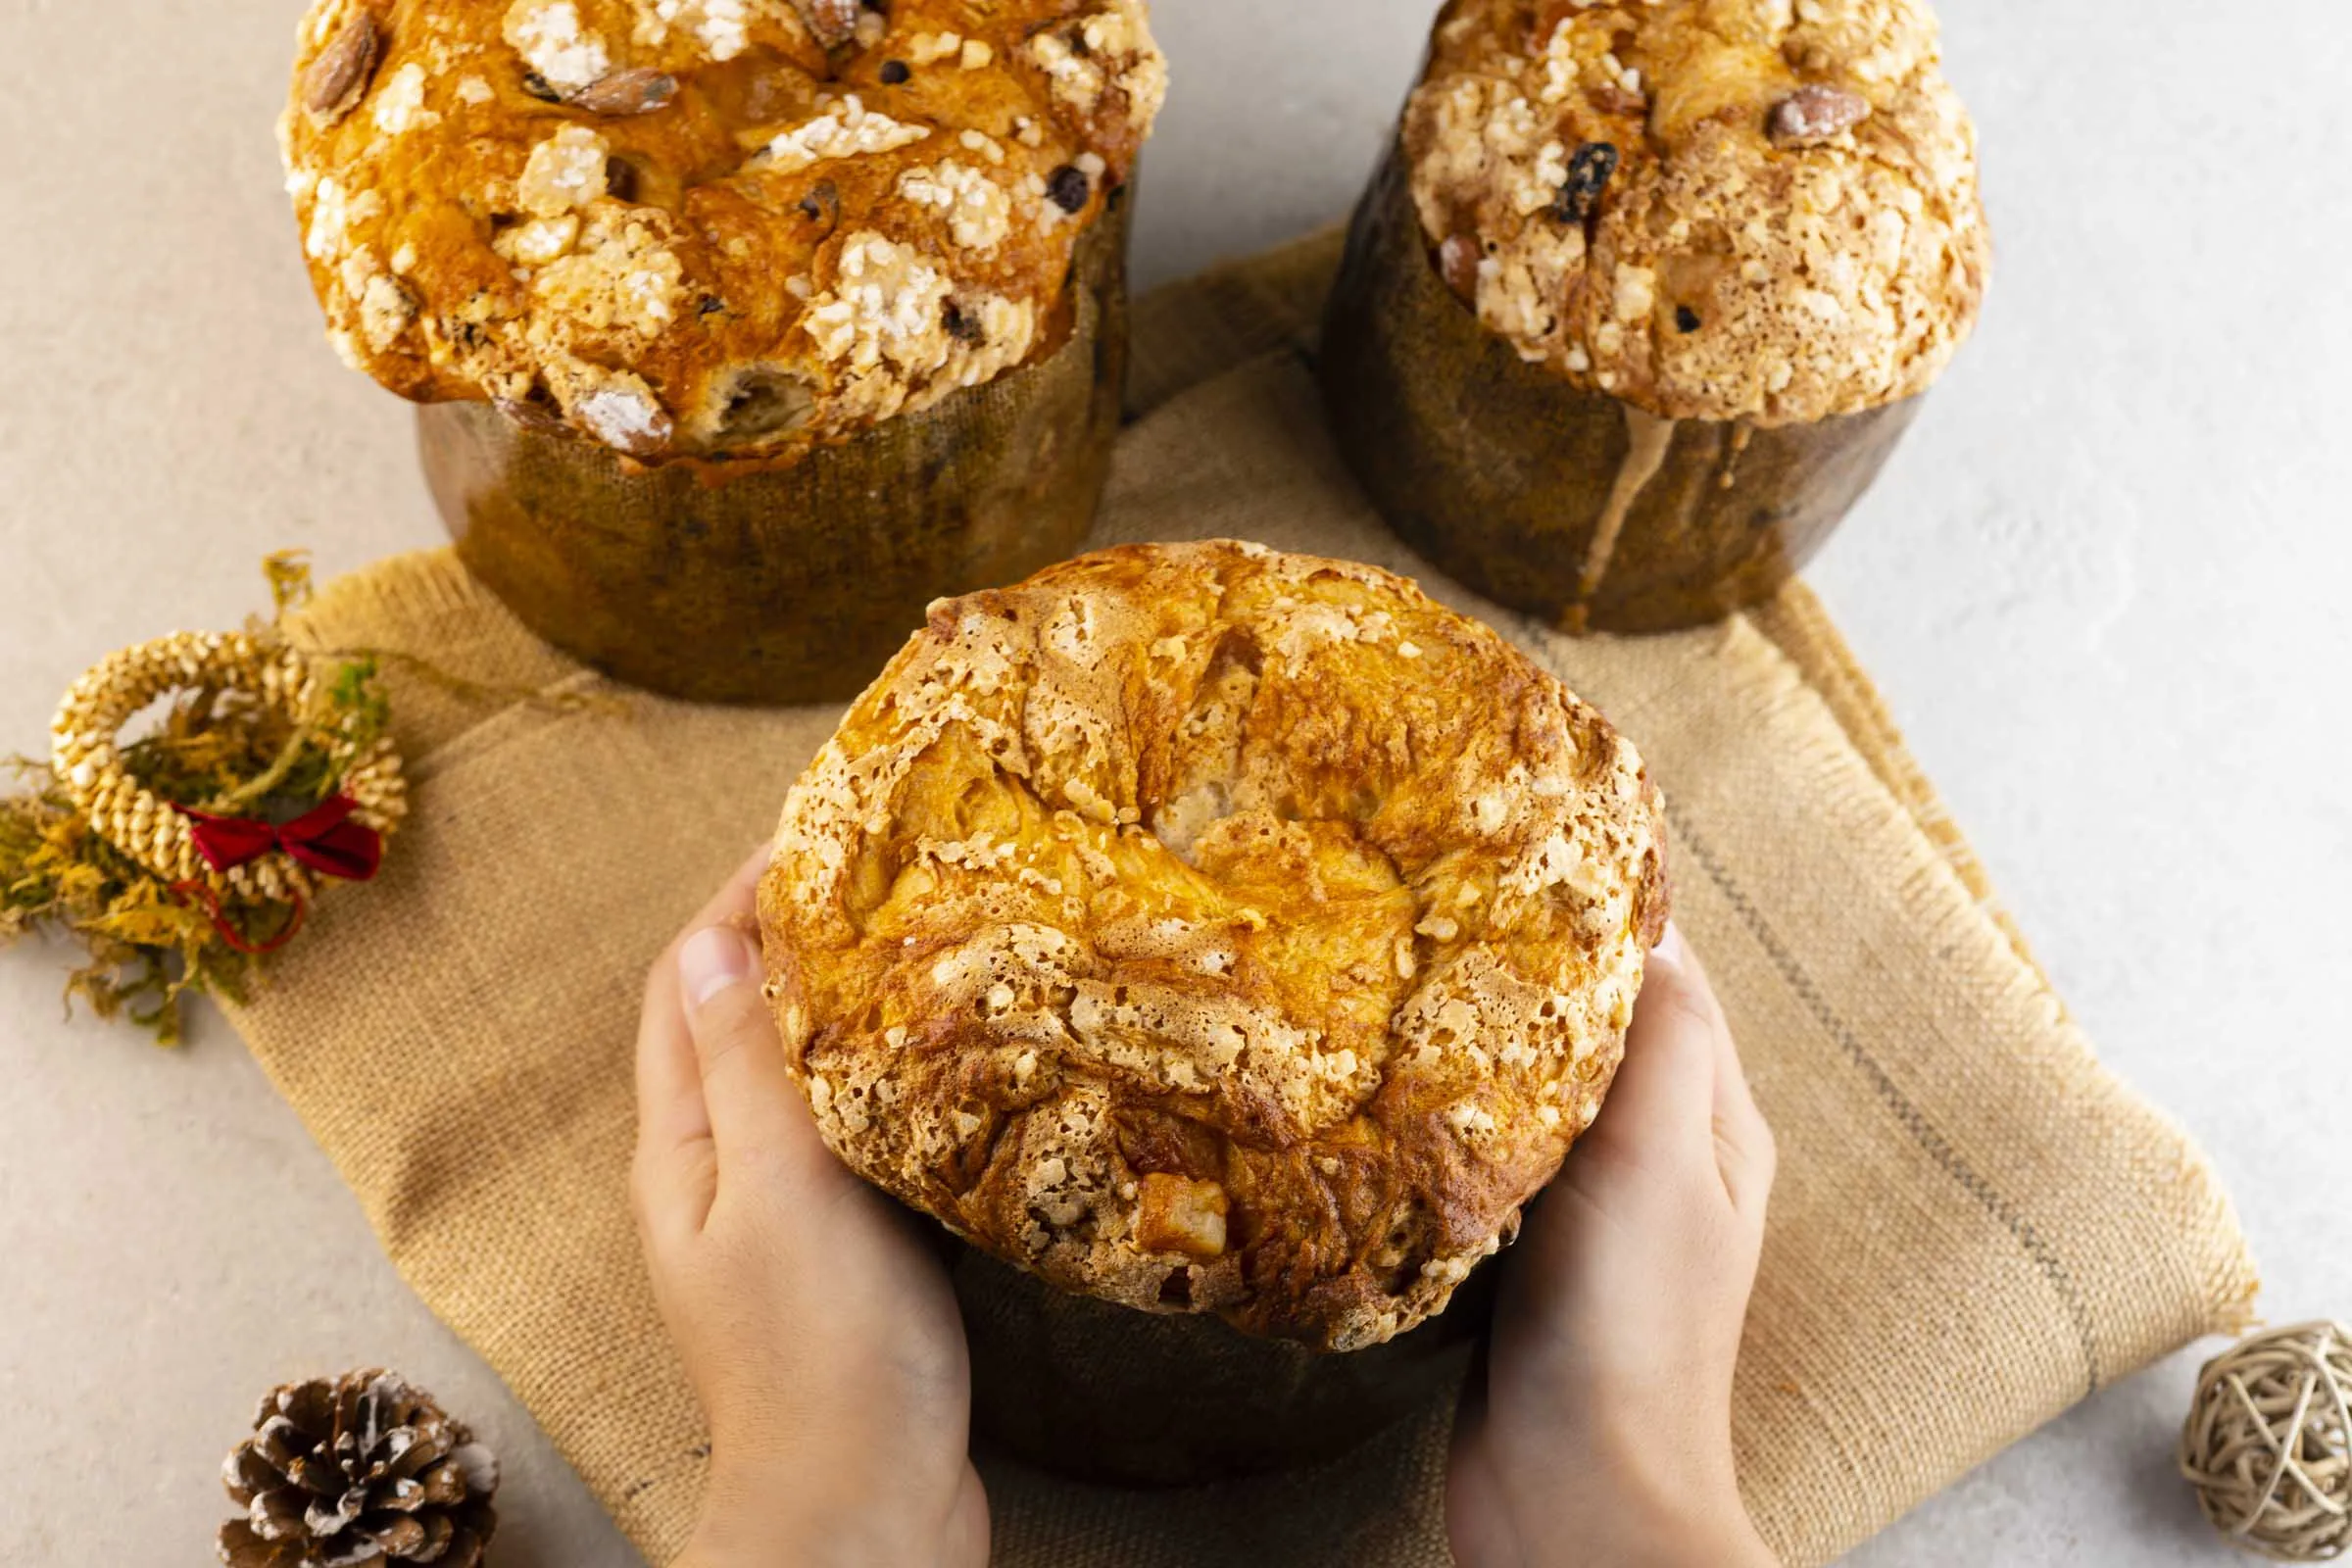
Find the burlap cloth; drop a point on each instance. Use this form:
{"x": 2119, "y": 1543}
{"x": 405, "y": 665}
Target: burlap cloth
{"x": 1976, "y": 1224}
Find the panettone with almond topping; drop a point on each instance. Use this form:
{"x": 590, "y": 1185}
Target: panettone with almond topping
{"x": 1216, "y": 931}
{"x": 1647, "y": 290}
{"x": 1714, "y": 209}
{"x": 707, "y": 226}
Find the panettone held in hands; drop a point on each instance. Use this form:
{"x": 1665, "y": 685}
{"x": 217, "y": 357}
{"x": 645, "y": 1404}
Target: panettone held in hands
{"x": 1213, "y": 930}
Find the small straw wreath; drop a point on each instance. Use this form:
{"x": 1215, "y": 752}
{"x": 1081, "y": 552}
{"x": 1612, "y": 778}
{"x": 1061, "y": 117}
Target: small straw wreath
{"x": 2269, "y": 1442}
{"x": 87, "y": 757}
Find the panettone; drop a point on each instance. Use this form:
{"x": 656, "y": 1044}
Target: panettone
{"x": 1646, "y": 291}
{"x": 707, "y": 226}
{"x": 1215, "y": 931}
{"x": 1713, "y": 209}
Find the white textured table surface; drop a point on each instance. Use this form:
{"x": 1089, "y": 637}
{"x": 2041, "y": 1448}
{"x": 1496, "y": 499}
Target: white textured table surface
{"x": 2104, "y": 586}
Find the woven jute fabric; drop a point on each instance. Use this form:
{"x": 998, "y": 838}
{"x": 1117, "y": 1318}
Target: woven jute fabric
{"x": 1976, "y": 1225}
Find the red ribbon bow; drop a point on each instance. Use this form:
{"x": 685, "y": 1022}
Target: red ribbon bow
{"x": 324, "y": 837}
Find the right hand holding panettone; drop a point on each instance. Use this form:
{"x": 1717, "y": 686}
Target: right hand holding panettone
{"x": 820, "y": 1334}
{"x": 1599, "y": 1431}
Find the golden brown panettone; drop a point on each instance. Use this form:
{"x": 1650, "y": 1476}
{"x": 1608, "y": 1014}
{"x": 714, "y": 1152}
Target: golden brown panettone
{"x": 1759, "y": 209}
{"x": 1646, "y": 292}
{"x": 1215, "y": 930}
{"x": 707, "y": 226}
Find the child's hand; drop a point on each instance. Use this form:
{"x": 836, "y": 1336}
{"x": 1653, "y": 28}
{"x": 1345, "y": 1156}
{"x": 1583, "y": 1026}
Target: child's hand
{"x": 1601, "y": 1431}
{"x": 819, "y": 1331}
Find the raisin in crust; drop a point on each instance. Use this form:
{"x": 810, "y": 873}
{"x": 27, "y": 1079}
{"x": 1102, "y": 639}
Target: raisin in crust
{"x": 1789, "y": 227}
{"x": 707, "y": 226}
{"x": 1215, "y": 930}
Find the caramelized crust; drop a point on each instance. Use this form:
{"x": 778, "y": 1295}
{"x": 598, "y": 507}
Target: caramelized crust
{"x": 707, "y": 226}
{"x": 1759, "y": 209}
{"x": 1215, "y": 930}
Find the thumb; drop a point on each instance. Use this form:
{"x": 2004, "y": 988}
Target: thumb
{"x": 1678, "y": 1000}
{"x": 1662, "y": 1100}
{"x": 744, "y": 1083}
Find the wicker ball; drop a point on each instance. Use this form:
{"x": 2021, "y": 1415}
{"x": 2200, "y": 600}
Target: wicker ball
{"x": 2269, "y": 1445}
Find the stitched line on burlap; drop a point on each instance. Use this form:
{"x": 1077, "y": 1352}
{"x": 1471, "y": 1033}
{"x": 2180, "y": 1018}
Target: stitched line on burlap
{"x": 1913, "y": 1121}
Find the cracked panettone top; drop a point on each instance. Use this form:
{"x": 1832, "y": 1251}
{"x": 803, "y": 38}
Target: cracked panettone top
{"x": 1213, "y": 930}
{"x": 1712, "y": 208}
{"x": 698, "y": 226}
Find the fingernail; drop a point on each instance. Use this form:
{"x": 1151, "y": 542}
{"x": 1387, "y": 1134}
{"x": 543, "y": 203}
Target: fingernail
{"x": 1670, "y": 950}
{"x": 713, "y": 960}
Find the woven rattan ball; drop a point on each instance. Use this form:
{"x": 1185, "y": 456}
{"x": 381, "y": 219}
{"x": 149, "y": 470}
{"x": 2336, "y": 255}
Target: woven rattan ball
{"x": 2269, "y": 1445}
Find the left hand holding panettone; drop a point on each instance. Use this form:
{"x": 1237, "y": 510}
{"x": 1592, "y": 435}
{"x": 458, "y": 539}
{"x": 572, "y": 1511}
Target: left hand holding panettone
{"x": 818, "y": 1331}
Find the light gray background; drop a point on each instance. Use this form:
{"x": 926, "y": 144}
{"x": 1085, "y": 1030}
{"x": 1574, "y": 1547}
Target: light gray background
{"x": 2104, "y": 586}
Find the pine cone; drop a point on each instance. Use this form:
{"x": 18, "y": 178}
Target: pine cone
{"x": 358, "y": 1469}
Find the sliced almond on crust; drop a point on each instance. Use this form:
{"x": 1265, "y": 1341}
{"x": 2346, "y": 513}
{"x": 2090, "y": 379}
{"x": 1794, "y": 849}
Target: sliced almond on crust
{"x": 638, "y": 91}
{"x": 338, "y": 79}
{"x": 1811, "y": 115}
{"x": 1458, "y": 260}
{"x": 834, "y": 22}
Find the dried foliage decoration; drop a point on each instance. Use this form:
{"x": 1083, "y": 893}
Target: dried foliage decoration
{"x": 178, "y": 858}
